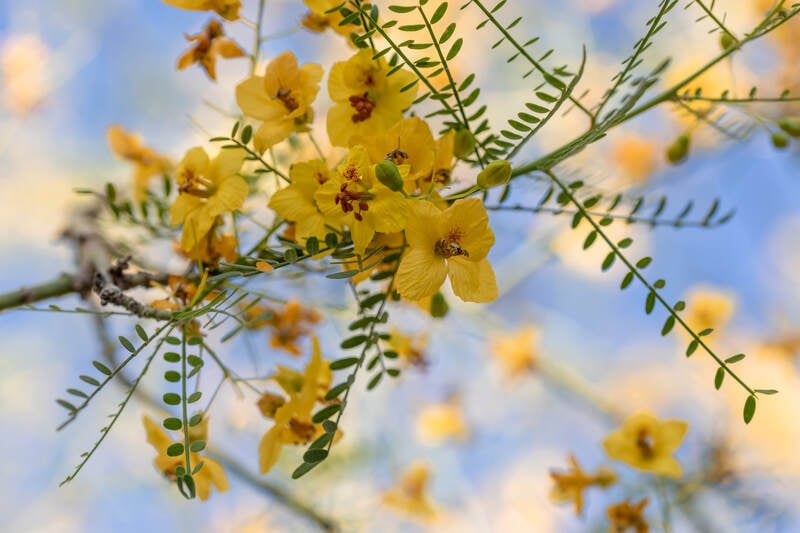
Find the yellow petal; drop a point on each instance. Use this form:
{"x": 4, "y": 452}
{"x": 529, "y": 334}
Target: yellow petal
{"x": 420, "y": 274}
{"x": 182, "y": 206}
{"x": 388, "y": 211}
{"x": 228, "y": 48}
{"x": 470, "y": 217}
{"x": 155, "y": 435}
{"x": 362, "y": 233}
{"x": 670, "y": 433}
{"x": 340, "y": 125}
{"x": 472, "y": 281}
{"x": 230, "y": 195}
{"x": 252, "y": 99}
{"x": 226, "y": 164}
{"x": 269, "y": 449}
{"x": 271, "y": 133}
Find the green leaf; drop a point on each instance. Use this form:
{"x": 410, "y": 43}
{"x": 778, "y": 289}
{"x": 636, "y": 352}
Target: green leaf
{"x": 304, "y": 468}
{"x": 402, "y": 9}
{"x": 66, "y": 405}
{"x": 590, "y": 239}
{"x": 768, "y": 392}
{"x": 669, "y": 323}
{"x": 175, "y": 449}
{"x": 315, "y": 455}
{"x": 749, "y": 409}
{"x": 172, "y": 376}
{"x": 643, "y": 262}
{"x": 193, "y": 397}
{"x": 312, "y": 245}
{"x": 343, "y": 274}
{"x": 344, "y": 363}
{"x": 102, "y": 368}
{"x": 172, "y": 357}
{"x": 720, "y": 375}
{"x": 89, "y": 379}
{"x": 170, "y": 398}
{"x": 194, "y": 360}
{"x": 141, "y": 332}
{"x": 439, "y": 13}
{"x": 735, "y": 358}
{"x": 126, "y": 344}
{"x": 608, "y": 261}
{"x": 691, "y": 348}
{"x": 326, "y": 412}
{"x": 353, "y": 341}
{"x": 374, "y": 381}
{"x": 627, "y": 280}
{"x": 172, "y": 423}
{"x": 336, "y": 391}
{"x": 197, "y": 446}
{"x": 650, "y": 302}
{"x": 329, "y": 426}
{"x": 78, "y": 393}
{"x": 370, "y": 301}
{"x": 196, "y": 419}
{"x": 705, "y": 332}
{"x": 247, "y": 134}
{"x": 175, "y": 340}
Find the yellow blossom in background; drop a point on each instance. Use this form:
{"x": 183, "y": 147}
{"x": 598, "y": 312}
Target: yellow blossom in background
{"x": 410, "y": 349}
{"x": 452, "y": 243}
{"x": 208, "y": 188}
{"x": 388, "y": 243}
{"x": 410, "y": 496}
{"x": 366, "y": 100}
{"x": 281, "y": 99}
{"x": 569, "y": 486}
{"x": 146, "y": 161}
{"x": 213, "y": 247}
{"x": 319, "y": 19}
{"x": 443, "y": 163}
{"x": 626, "y": 516}
{"x": 24, "y": 69}
{"x": 646, "y": 443}
{"x": 293, "y": 418}
{"x": 210, "y": 474}
{"x": 408, "y": 144}
{"x": 227, "y": 9}
{"x": 516, "y": 352}
{"x": 296, "y": 202}
{"x": 354, "y": 197}
{"x": 708, "y": 307}
{"x": 290, "y": 324}
{"x": 209, "y": 44}
{"x": 442, "y": 421}
{"x": 634, "y": 158}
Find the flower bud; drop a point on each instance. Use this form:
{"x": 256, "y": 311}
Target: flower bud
{"x": 678, "y": 150}
{"x": 496, "y": 173}
{"x": 790, "y": 125}
{"x": 387, "y": 173}
{"x": 779, "y": 140}
{"x": 439, "y": 307}
{"x": 463, "y": 143}
{"x": 726, "y": 40}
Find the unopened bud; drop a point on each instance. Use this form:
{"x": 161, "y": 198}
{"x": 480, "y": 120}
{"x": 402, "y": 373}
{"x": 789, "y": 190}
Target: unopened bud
{"x": 779, "y": 140}
{"x": 496, "y": 173}
{"x": 790, "y": 125}
{"x": 387, "y": 173}
{"x": 439, "y": 307}
{"x": 678, "y": 150}
{"x": 463, "y": 143}
{"x": 726, "y": 40}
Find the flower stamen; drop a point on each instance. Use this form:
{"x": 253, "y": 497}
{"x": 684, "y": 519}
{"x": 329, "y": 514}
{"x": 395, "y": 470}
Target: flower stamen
{"x": 363, "y": 106}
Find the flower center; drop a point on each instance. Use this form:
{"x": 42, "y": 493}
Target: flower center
{"x": 195, "y": 184}
{"x": 644, "y": 442}
{"x": 352, "y": 201}
{"x": 450, "y": 246}
{"x": 286, "y": 98}
{"x": 363, "y": 106}
{"x": 303, "y": 431}
{"x": 397, "y": 156}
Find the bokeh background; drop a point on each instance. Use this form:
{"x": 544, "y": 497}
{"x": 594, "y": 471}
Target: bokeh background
{"x": 72, "y": 68}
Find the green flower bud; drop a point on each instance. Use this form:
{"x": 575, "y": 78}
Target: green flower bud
{"x": 779, "y": 140}
{"x": 678, "y": 150}
{"x": 496, "y": 173}
{"x": 463, "y": 143}
{"x": 439, "y": 307}
{"x": 726, "y": 40}
{"x": 790, "y": 125}
{"x": 387, "y": 173}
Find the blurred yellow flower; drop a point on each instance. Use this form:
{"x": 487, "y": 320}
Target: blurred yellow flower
{"x": 209, "y": 44}
{"x": 353, "y": 196}
{"x": 25, "y": 71}
{"x": 410, "y": 496}
{"x": 626, "y": 516}
{"x": 366, "y": 100}
{"x": 296, "y": 202}
{"x": 634, "y": 157}
{"x": 646, "y": 443}
{"x": 146, "y": 161}
{"x": 293, "y": 418}
{"x": 410, "y": 349}
{"x": 208, "y": 188}
{"x": 227, "y": 9}
{"x": 442, "y": 421}
{"x": 320, "y": 18}
{"x": 210, "y": 474}
{"x": 569, "y": 485}
{"x": 213, "y": 247}
{"x": 454, "y": 243}
{"x": 517, "y": 352}
{"x": 708, "y": 307}
{"x": 281, "y": 99}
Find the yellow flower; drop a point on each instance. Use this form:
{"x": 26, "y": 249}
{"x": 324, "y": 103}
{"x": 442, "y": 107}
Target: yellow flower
{"x": 635, "y": 157}
{"x": 442, "y": 421}
{"x": 147, "y": 163}
{"x": 409, "y": 496}
{"x": 366, "y": 100}
{"x": 296, "y": 203}
{"x": 516, "y": 352}
{"x": 281, "y": 99}
{"x": 213, "y": 247}
{"x": 453, "y": 243}
{"x": 208, "y": 188}
{"x": 211, "y": 473}
{"x": 408, "y": 144}
{"x": 569, "y": 486}
{"x": 293, "y": 419}
{"x": 707, "y": 307}
{"x": 645, "y": 443}
{"x": 227, "y": 9}
{"x": 353, "y": 196}
{"x": 209, "y": 44}
{"x": 320, "y": 18}
{"x": 410, "y": 350}
{"x": 443, "y": 162}
{"x": 626, "y": 516}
